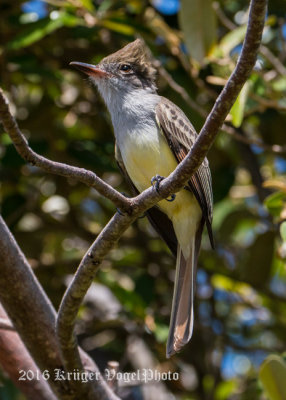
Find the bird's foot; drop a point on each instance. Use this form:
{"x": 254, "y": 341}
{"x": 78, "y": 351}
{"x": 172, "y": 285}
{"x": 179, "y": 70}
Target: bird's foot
{"x": 155, "y": 182}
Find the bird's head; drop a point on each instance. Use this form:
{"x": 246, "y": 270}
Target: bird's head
{"x": 127, "y": 70}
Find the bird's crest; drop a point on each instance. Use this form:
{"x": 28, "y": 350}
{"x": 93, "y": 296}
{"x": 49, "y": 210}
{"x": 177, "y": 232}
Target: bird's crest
{"x": 137, "y": 54}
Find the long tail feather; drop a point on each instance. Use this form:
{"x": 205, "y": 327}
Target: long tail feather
{"x": 182, "y": 315}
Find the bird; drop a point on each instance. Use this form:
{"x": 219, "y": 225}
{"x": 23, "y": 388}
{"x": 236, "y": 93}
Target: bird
{"x": 153, "y": 135}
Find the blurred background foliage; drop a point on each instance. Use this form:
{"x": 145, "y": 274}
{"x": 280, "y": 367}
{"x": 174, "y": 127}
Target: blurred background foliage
{"x": 240, "y": 300}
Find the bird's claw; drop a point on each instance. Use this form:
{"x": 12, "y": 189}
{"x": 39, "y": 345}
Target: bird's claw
{"x": 172, "y": 197}
{"x": 155, "y": 182}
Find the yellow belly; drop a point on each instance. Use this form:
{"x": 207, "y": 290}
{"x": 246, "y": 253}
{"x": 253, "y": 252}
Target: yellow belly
{"x": 146, "y": 155}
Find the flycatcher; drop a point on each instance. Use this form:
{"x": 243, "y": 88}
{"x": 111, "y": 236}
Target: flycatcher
{"x": 152, "y": 136}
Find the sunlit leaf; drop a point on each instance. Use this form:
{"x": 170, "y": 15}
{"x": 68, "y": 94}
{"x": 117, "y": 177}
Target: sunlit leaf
{"x": 37, "y": 30}
{"x": 118, "y": 27}
{"x": 283, "y": 231}
{"x": 161, "y": 332}
{"x": 88, "y": 4}
{"x": 225, "y": 389}
{"x": 273, "y": 377}
{"x": 237, "y": 110}
{"x": 275, "y": 203}
{"x": 198, "y": 22}
{"x": 279, "y": 84}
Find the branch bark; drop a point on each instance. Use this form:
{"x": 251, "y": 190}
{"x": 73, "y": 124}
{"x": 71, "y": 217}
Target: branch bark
{"x": 24, "y": 300}
{"x": 14, "y": 357}
{"x": 5, "y": 323}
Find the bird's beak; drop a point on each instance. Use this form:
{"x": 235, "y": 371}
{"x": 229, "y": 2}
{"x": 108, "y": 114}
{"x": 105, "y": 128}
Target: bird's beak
{"x": 91, "y": 70}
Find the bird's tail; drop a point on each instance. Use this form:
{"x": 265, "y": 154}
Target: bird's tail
{"x": 182, "y": 315}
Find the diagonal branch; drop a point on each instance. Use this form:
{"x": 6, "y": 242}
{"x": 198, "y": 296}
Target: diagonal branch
{"x": 23, "y": 298}
{"x": 6, "y": 325}
{"x": 14, "y": 357}
{"x": 82, "y": 175}
{"x": 119, "y": 223}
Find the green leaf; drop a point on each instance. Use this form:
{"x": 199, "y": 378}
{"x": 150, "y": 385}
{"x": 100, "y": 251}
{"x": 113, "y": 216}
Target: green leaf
{"x": 283, "y": 231}
{"x": 87, "y": 4}
{"x": 279, "y": 84}
{"x": 224, "y": 390}
{"x": 198, "y": 22}
{"x": 273, "y": 377}
{"x": 118, "y": 27}
{"x": 37, "y": 30}
{"x": 161, "y": 333}
{"x": 237, "y": 110}
{"x": 275, "y": 203}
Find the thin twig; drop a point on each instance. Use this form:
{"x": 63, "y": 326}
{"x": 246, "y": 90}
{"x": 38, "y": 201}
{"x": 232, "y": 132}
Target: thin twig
{"x": 82, "y": 175}
{"x": 223, "y": 18}
{"x": 179, "y": 89}
{"x": 225, "y": 127}
{"x": 277, "y": 64}
{"x": 275, "y": 148}
{"x": 119, "y": 223}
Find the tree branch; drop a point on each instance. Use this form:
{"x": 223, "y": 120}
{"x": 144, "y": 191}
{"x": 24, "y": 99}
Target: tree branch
{"x": 14, "y": 357}
{"x": 119, "y": 223}
{"x": 6, "y": 325}
{"x": 89, "y": 178}
{"x": 23, "y": 298}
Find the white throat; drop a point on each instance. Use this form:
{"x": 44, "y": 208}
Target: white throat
{"x": 131, "y": 109}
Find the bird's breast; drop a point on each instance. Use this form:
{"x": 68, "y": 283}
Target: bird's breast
{"x": 146, "y": 153}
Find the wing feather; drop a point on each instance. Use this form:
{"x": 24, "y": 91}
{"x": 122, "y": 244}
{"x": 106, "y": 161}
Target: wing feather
{"x": 181, "y": 135}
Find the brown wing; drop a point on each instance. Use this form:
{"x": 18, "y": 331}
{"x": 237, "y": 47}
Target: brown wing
{"x": 181, "y": 135}
{"x": 160, "y": 222}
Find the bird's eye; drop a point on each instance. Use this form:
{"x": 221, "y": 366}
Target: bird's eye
{"x": 125, "y": 68}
